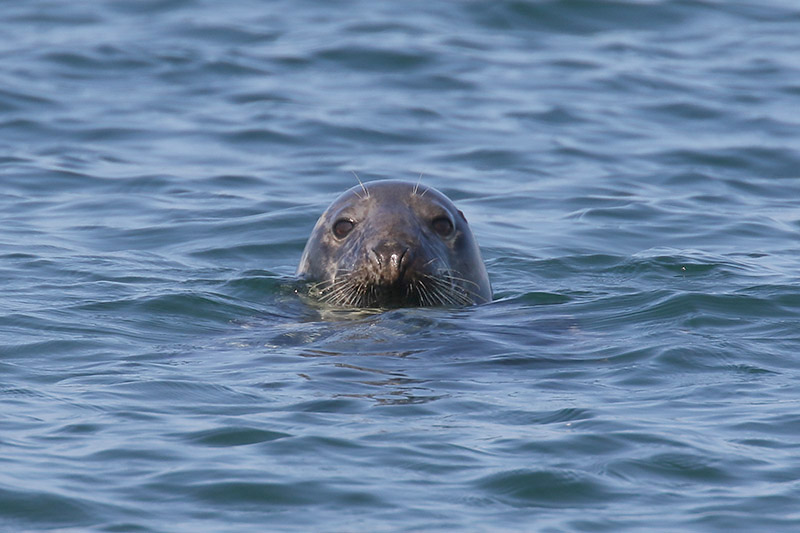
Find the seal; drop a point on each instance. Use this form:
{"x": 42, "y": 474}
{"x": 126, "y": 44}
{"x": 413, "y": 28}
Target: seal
{"x": 388, "y": 244}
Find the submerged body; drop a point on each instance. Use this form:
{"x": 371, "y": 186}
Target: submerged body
{"x": 394, "y": 244}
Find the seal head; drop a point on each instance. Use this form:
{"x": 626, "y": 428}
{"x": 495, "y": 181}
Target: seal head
{"x": 394, "y": 244}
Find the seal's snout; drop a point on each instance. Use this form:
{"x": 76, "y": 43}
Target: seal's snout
{"x": 392, "y": 260}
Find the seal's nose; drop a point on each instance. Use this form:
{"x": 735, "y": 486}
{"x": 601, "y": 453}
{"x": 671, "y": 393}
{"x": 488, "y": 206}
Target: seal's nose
{"x": 392, "y": 259}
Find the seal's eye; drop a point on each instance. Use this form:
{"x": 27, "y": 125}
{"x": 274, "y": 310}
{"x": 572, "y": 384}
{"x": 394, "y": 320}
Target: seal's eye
{"x": 442, "y": 226}
{"x": 342, "y": 227}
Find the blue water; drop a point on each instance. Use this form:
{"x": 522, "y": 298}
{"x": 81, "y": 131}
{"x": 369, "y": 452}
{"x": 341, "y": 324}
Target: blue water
{"x": 631, "y": 169}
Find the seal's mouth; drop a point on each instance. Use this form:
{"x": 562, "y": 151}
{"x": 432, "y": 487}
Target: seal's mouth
{"x": 442, "y": 288}
{"x": 398, "y": 294}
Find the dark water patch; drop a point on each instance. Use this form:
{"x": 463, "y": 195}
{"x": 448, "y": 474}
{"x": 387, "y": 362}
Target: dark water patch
{"x": 55, "y": 348}
{"x": 238, "y": 67}
{"x": 112, "y": 134}
{"x": 780, "y": 426}
{"x": 489, "y": 158}
{"x": 760, "y": 161}
{"x": 621, "y": 209}
{"x": 233, "y": 436}
{"x": 226, "y": 34}
{"x": 555, "y": 115}
{"x": 259, "y": 286}
{"x": 734, "y": 516}
{"x": 611, "y": 442}
{"x": 365, "y": 134}
{"x": 48, "y": 179}
{"x": 681, "y": 308}
{"x": 190, "y": 395}
{"x": 361, "y": 58}
{"x": 19, "y": 129}
{"x": 768, "y": 12}
{"x": 259, "y": 137}
{"x": 277, "y": 98}
{"x": 559, "y": 267}
{"x": 80, "y": 429}
{"x": 210, "y": 75}
{"x": 104, "y": 60}
{"x": 382, "y": 27}
{"x": 244, "y": 494}
{"x": 236, "y": 182}
{"x": 14, "y": 101}
{"x": 542, "y": 298}
{"x": 150, "y": 7}
{"x": 10, "y": 392}
{"x": 580, "y": 16}
{"x": 21, "y": 508}
{"x": 340, "y": 405}
{"x": 548, "y": 489}
{"x": 665, "y": 467}
{"x": 688, "y": 111}
{"x": 526, "y": 418}
{"x": 431, "y": 83}
{"x": 174, "y": 311}
{"x": 585, "y": 152}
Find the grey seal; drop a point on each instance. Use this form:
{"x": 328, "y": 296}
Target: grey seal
{"x": 388, "y": 244}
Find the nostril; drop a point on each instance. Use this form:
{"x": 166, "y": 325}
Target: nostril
{"x": 396, "y": 259}
{"x": 403, "y": 257}
{"x": 388, "y": 256}
{"x": 392, "y": 259}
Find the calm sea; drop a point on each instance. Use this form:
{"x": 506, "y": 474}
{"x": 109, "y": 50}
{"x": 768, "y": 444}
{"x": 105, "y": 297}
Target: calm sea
{"x": 631, "y": 169}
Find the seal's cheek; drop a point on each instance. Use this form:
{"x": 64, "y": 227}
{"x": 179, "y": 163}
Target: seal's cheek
{"x": 459, "y": 242}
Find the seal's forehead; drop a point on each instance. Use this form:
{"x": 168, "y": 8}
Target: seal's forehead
{"x": 388, "y": 191}
{"x": 389, "y": 196}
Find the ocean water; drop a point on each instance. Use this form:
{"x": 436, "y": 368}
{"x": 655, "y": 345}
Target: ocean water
{"x": 631, "y": 169}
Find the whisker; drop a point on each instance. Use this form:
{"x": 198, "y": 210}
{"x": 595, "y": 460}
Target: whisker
{"x": 442, "y": 287}
{"x": 416, "y": 186}
{"x": 366, "y": 192}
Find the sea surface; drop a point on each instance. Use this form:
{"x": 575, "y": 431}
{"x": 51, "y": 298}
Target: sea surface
{"x": 631, "y": 169}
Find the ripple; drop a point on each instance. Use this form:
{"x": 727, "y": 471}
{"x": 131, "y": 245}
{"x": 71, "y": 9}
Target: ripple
{"x": 232, "y": 436}
{"x": 27, "y": 508}
{"x": 11, "y": 101}
{"x": 259, "y": 136}
{"x": 226, "y": 34}
{"x": 555, "y": 417}
{"x": 548, "y": 488}
{"x": 579, "y": 16}
{"x": 673, "y": 466}
{"x": 759, "y": 160}
{"x": 374, "y": 59}
{"x": 364, "y": 134}
{"x": 104, "y": 59}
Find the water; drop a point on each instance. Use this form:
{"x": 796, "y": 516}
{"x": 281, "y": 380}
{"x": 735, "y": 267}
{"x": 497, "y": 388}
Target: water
{"x": 631, "y": 169}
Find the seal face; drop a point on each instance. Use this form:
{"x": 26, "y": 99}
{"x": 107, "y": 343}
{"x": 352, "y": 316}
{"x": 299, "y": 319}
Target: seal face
{"x": 394, "y": 244}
